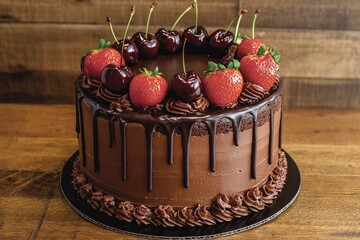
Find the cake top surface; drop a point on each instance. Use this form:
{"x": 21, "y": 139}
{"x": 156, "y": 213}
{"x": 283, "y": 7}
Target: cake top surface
{"x": 187, "y": 73}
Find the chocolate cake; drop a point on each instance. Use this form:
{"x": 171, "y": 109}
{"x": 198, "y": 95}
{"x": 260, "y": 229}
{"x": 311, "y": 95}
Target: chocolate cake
{"x": 183, "y": 153}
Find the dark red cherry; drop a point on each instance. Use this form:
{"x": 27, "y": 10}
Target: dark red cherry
{"x": 116, "y": 79}
{"x": 196, "y": 39}
{"x": 226, "y": 59}
{"x": 130, "y": 51}
{"x": 148, "y": 46}
{"x": 170, "y": 41}
{"x": 187, "y": 87}
{"x": 220, "y": 41}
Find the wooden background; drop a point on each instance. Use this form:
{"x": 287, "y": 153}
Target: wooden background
{"x": 41, "y": 43}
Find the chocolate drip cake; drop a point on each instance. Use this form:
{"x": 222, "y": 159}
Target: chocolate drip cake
{"x": 179, "y": 148}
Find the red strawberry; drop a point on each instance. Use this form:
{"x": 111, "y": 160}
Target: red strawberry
{"x": 148, "y": 88}
{"x": 96, "y": 60}
{"x": 223, "y": 85}
{"x": 249, "y": 46}
{"x": 260, "y": 69}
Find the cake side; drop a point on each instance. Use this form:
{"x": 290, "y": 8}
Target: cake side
{"x": 209, "y": 168}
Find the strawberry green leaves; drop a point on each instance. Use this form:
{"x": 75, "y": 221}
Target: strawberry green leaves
{"x": 101, "y": 45}
{"x": 275, "y": 56}
{"x": 149, "y": 73}
{"x": 213, "y": 67}
{"x": 261, "y": 50}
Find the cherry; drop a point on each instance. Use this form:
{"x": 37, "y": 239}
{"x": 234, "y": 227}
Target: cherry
{"x": 170, "y": 41}
{"x": 221, "y": 39}
{"x": 195, "y": 35}
{"x": 187, "y": 86}
{"x": 116, "y": 79}
{"x": 146, "y": 42}
{"x": 128, "y": 49}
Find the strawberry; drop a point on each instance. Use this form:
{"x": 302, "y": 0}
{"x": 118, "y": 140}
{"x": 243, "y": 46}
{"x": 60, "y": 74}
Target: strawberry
{"x": 260, "y": 69}
{"x": 148, "y": 88}
{"x": 95, "y": 60}
{"x": 249, "y": 46}
{"x": 222, "y": 84}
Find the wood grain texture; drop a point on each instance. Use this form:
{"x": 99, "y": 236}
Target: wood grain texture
{"x": 37, "y": 139}
{"x": 325, "y": 14}
{"x": 319, "y": 54}
{"x": 96, "y": 11}
{"x": 304, "y": 14}
{"x": 316, "y": 73}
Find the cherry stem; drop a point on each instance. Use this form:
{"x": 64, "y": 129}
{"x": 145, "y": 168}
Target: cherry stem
{"x": 240, "y": 14}
{"x": 253, "y": 24}
{"x": 196, "y": 16}
{"x": 183, "y": 56}
{"x": 186, "y": 10}
{"x": 126, "y": 30}
{"x": 108, "y": 19}
{"x": 152, "y": 6}
{"x": 231, "y": 23}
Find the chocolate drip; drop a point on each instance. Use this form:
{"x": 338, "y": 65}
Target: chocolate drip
{"x": 149, "y": 129}
{"x": 170, "y": 143}
{"x": 184, "y": 123}
{"x": 81, "y": 120}
{"x": 281, "y": 125}
{"x": 123, "y": 148}
{"x": 94, "y": 114}
{"x": 254, "y": 144}
{"x": 212, "y": 131}
{"x": 111, "y": 131}
{"x": 271, "y": 137}
{"x": 236, "y": 128}
{"x": 77, "y": 126}
{"x": 185, "y": 140}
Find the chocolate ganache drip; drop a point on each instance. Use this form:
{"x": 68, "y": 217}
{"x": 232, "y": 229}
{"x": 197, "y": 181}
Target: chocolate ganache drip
{"x": 107, "y": 95}
{"x": 251, "y": 93}
{"x": 182, "y": 108}
{"x": 185, "y": 123}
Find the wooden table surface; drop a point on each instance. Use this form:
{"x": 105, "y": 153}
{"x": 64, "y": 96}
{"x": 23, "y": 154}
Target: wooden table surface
{"x": 36, "y": 141}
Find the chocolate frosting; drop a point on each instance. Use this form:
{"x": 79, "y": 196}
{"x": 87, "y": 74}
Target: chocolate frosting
{"x": 143, "y": 215}
{"x": 222, "y": 208}
{"x": 237, "y": 207}
{"x": 165, "y": 216}
{"x": 122, "y": 104}
{"x": 276, "y": 83}
{"x": 251, "y": 93}
{"x": 253, "y": 200}
{"x": 203, "y": 215}
{"x": 182, "y": 108}
{"x": 125, "y": 211}
{"x": 107, "y": 95}
{"x": 91, "y": 85}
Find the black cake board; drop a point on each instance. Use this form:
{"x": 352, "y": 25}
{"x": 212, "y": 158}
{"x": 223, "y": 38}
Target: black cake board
{"x": 283, "y": 201}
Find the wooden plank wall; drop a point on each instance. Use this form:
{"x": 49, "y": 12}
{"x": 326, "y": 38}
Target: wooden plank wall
{"x": 41, "y": 43}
